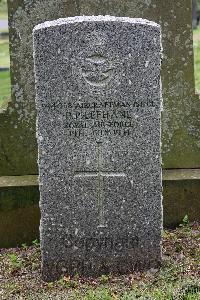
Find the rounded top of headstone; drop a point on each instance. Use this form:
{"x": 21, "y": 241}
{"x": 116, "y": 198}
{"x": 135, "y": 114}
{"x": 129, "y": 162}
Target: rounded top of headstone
{"x": 107, "y": 18}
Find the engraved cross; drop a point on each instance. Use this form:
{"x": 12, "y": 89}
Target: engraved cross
{"x": 99, "y": 174}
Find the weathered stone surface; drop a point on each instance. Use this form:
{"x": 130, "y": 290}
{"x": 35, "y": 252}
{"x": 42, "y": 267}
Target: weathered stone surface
{"x": 98, "y": 129}
{"x": 180, "y": 122}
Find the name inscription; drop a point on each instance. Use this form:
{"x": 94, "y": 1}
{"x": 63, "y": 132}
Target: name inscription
{"x": 99, "y": 118}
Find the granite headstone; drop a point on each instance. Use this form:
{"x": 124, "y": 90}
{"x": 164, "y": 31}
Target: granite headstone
{"x": 99, "y": 135}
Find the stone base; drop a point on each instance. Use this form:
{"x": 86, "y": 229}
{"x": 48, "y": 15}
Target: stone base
{"x": 181, "y": 195}
{"x": 19, "y": 209}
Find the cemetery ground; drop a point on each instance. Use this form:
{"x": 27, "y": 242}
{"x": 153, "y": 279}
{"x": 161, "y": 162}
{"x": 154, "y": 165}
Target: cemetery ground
{"x": 177, "y": 279}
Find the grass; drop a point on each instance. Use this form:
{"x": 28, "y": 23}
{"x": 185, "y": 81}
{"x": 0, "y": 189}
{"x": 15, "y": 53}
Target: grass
{"x": 196, "y": 39}
{"x": 4, "y": 76}
{"x": 4, "y": 61}
{"x": 177, "y": 279}
{"x": 3, "y": 10}
{"x": 4, "y": 88}
{"x": 4, "y": 53}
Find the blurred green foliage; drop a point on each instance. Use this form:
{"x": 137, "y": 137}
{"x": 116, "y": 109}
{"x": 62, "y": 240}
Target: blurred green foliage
{"x": 198, "y": 6}
{"x": 3, "y": 10}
